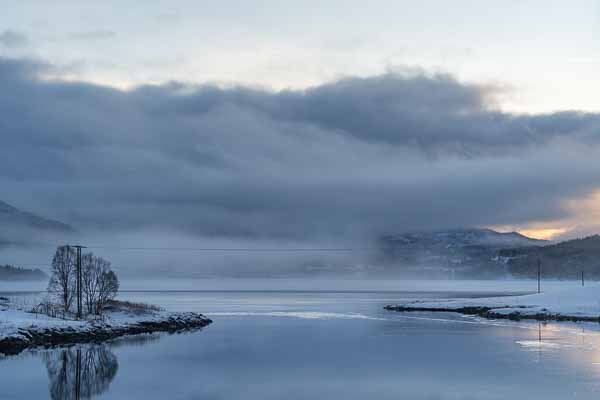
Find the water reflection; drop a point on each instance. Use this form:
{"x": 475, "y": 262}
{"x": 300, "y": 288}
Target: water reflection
{"x": 80, "y": 372}
{"x": 256, "y": 351}
{"x": 86, "y": 371}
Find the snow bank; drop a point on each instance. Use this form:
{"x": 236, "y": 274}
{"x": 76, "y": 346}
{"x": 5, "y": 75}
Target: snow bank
{"x": 582, "y": 303}
{"x": 20, "y": 329}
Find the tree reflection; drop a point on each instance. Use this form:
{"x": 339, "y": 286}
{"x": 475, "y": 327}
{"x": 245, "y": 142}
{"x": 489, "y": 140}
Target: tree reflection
{"x": 80, "y": 372}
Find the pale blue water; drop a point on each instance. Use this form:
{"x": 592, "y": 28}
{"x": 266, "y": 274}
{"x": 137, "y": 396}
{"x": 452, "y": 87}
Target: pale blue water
{"x": 319, "y": 345}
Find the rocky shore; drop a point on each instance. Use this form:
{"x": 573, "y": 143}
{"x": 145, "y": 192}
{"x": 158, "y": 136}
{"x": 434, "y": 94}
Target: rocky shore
{"x": 46, "y": 334}
{"x": 498, "y": 313}
{"x": 572, "y": 305}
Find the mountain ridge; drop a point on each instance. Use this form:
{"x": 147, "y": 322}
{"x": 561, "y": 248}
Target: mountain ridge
{"x": 23, "y": 228}
{"x": 10, "y": 215}
{"x": 459, "y": 252}
{"x": 465, "y": 236}
{"x": 563, "y": 260}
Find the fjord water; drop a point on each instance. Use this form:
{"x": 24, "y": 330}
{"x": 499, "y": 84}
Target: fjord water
{"x": 318, "y": 344}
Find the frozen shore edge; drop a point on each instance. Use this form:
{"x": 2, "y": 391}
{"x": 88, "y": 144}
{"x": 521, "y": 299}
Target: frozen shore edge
{"x": 508, "y": 312}
{"x": 568, "y": 304}
{"x": 94, "y": 332}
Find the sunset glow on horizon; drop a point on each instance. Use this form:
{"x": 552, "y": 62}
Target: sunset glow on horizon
{"x": 544, "y": 233}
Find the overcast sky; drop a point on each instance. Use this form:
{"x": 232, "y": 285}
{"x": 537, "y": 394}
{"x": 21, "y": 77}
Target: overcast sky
{"x": 544, "y": 54}
{"x": 302, "y": 120}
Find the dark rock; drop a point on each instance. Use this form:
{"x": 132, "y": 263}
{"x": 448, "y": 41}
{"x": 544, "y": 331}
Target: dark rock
{"x": 36, "y": 337}
{"x": 486, "y": 312}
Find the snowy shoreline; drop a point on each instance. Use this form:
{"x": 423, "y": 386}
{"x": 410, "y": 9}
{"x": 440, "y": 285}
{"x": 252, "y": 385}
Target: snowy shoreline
{"x": 20, "y": 330}
{"x": 573, "y": 304}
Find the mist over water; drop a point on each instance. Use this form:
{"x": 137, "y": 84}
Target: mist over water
{"x": 174, "y": 255}
{"x": 144, "y": 255}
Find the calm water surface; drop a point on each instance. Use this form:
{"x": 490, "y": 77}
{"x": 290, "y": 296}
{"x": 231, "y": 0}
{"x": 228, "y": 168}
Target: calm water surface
{"x": 318, "y": 345}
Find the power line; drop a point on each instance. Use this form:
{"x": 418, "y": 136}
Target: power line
{"x": 212, "y": 249}
{"x": 232, "y": 249}
{"x": 223, "y": 249}
{"x": 226, "y": 249}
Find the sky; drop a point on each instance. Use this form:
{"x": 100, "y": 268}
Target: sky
{"x": 543, "y": 54}
{"x": 320, "y": 121}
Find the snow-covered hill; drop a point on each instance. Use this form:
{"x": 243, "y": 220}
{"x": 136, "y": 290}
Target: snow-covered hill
{"x": 466, "y": 252}
{"x": 457, "y": 238}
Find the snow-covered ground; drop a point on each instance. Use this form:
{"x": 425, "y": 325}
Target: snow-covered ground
{"x": 11, "y": 321}
{"x": 576, "y": 302}
{"x": 20, "y": 328}
{"x": 14, "y": 315}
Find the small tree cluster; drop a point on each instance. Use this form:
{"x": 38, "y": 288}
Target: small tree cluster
{"x": 99, "y": 283}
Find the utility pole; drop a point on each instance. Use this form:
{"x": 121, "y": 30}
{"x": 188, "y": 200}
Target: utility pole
{"x": 539, "y": 262}
{"x": 582, "y": 279}
{"x": 78, "y": 375}
{"x": 79, "y": 284}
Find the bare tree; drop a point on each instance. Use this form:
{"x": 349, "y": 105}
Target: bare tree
{"x": 92, "y": 269}
{"x": 99, "y": 283}
{"x": 108, "y": 285}
{"x": 62, "y": 280}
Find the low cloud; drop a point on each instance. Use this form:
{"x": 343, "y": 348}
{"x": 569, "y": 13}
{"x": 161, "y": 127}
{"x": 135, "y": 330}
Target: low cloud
{"x": 352, "y": 158}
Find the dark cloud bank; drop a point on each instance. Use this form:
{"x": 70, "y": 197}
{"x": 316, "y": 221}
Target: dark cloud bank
{"x": 348, "y": 159}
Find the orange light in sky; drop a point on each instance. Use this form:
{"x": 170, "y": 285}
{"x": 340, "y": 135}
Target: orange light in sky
{"x": 548, "y": 231}
{"x": 544, "y": 233}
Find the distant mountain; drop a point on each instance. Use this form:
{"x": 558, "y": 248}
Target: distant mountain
{"x": 10, "y": 273}
{"x": 460, "y": 238}
{"x": 12, "y": 216}
{"x": 456, "y": 252}
{"x": 564, "y": 260}
{"x": 20, "y": 227}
